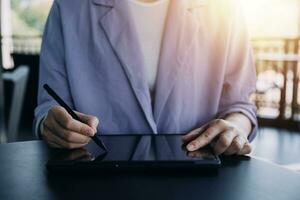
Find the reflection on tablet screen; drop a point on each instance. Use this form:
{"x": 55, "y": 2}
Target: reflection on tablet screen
{"x": 162, "y": 148}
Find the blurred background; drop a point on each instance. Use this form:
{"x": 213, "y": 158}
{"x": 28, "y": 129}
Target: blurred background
{"x": 274, "y": 27}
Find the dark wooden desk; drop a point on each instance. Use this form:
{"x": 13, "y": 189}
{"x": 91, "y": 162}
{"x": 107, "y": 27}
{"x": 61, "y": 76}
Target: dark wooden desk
{"x": 24, "y": 176}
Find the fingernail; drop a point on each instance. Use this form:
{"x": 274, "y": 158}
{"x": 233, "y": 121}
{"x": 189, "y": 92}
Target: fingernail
{"x": 191, "y": 147}
{"x": 95, "y": 122}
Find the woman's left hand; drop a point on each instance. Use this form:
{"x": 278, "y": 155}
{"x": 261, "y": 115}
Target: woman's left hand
{"x": 224, "y": 136}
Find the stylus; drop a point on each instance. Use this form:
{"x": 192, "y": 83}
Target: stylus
{"x": 55, "y": 96}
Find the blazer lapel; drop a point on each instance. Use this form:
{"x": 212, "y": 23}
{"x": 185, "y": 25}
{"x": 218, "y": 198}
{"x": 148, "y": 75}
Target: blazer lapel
{"x": 182, "y": 28}
{"x": 122, "y": 37}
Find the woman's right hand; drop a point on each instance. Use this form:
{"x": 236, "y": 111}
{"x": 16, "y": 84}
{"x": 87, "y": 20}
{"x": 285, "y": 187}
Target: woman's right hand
{"x": 60, "y": 130}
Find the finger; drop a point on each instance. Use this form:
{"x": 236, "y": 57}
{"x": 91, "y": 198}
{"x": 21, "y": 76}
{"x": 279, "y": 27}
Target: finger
{"x": 194, "y": 134}
{"x": 205, "y": 138}
{"x": 62, "y": 117}
{"x": 68, "y": 136}
{"x": 90, "y": 120}
{"x": 224, "y": 141}
{"x": 52, "y": 138}
{"x": 247, "y": 149}
{"x": 236, "y": 145}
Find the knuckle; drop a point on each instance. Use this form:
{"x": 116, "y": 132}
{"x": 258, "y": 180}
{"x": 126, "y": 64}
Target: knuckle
{"x": 224, "y": 142}
{"x": 60, "y": 112}
{"x": 218, "y": 122}
{"x": 82, "y": 129}
{"x": 68, "y": 124}
{"x": 211, "y": 131}
{"x": 86, "y": 130}
{"x": 214, "y": 122}
{"x": 54, "y": 110}
{"x": 68, "y": 136}
{"x": 221, "y": 122}
{"x": 206, "y": 134}
{"x": 46, "y": 123}
{"x": 58, "y": 108}
{"x": 236, "y": 145}
{"x": 248, "y": 149}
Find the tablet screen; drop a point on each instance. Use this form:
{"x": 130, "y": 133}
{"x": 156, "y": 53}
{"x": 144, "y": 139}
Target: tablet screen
{"x": 134, "y": 149}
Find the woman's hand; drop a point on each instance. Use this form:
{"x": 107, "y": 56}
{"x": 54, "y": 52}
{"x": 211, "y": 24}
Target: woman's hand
{"x": 226, "y": 135}
{"x": 60, "y": 130}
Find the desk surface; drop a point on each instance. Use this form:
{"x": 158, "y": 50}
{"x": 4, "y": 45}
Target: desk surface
{"x": 24, "y": 176}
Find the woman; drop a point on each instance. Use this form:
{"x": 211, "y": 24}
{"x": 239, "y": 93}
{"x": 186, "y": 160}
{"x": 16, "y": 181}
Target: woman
{"x": 156, "y": 66}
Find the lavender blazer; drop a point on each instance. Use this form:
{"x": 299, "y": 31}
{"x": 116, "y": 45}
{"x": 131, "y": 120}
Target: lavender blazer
{"x": 90, "y": 56}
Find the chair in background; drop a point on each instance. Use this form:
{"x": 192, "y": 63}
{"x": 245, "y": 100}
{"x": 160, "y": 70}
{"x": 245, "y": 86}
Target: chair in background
{"x": 30, "y": 101}
{"x": 15, "y": 86}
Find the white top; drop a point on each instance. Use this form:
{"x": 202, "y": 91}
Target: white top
{"x": 149, "y": 20}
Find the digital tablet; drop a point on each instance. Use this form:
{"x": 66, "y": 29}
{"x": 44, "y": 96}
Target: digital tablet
{"x": 134, "y": 152}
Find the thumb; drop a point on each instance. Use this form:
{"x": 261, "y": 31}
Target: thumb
{"x": 90, "y": 120}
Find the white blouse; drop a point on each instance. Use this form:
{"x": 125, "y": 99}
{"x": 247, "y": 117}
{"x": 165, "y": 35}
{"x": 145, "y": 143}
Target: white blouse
{"x": 149, "y": 20}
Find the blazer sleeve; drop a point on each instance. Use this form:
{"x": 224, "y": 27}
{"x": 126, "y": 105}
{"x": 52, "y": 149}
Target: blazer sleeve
{"x": 52, "y": 67}
{"x": 240, "y": 75}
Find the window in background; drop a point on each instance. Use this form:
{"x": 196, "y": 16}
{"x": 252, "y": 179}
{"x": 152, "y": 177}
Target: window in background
{"x": 28, "y": 20}
{"x": 272, "y": 18}
{"x": 274, "y": 26}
